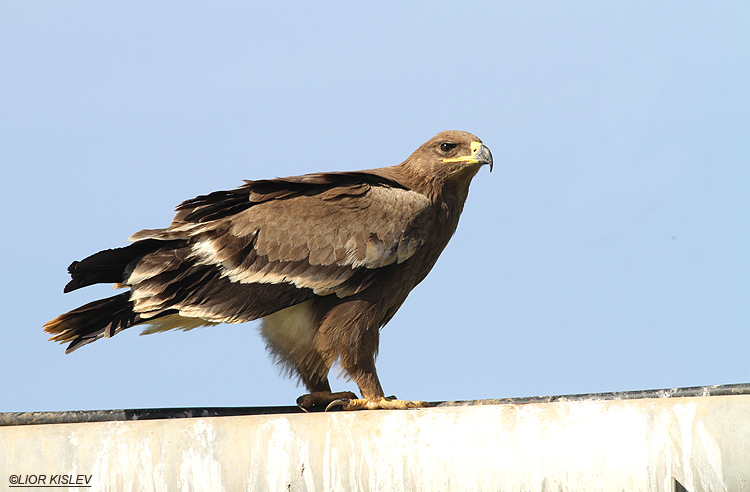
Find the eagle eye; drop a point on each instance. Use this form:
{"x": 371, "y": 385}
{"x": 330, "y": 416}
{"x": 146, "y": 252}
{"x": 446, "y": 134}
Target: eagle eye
{"x": 447, "y": 146}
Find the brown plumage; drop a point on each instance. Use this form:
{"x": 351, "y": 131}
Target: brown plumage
{"x": 324, "y": 259}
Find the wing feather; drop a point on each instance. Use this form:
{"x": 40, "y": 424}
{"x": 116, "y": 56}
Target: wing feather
{"x": 323, "y": 232}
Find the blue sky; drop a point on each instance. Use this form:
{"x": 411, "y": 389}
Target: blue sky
{"x": 608, "y": 250}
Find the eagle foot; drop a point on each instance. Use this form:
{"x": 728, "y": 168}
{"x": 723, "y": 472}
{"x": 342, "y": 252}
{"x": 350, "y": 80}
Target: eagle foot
{"x": 382, "y": 403}
{"x": 322, "y": 399}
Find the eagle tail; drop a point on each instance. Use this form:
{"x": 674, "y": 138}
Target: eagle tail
{"x": 88, "y": 323}
{"x": 110, "y": 265}
{"x": 105, "y": 317}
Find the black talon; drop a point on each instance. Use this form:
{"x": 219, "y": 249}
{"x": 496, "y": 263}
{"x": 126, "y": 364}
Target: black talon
{"x": 335, "y": 403}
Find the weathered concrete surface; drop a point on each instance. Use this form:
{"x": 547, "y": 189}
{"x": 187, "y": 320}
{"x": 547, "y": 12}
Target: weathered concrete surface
{"x": 702, "y": 442}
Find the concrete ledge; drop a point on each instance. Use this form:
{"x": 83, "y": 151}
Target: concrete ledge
{"x": 80, "y": 416}
{"x": 569, "y": 443}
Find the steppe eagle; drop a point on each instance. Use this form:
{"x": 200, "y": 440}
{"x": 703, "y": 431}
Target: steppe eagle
{"x": 324, "y": 260}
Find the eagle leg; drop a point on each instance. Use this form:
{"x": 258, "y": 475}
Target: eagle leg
{"x": 350, "y": 331}
{"x": 322, "y": 399}
{"x": 364, "y": 374}
{"x": 382, "y": 403}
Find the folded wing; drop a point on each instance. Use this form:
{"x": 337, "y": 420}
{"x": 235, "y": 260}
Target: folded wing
{"x": 327, "y": 233}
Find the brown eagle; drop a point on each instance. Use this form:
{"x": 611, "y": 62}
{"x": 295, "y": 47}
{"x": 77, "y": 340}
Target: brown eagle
{"x": 324, "y": 260}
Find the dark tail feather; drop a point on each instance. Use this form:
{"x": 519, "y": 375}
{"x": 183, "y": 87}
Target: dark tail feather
{"x": 105, "y": 317}
{"x": 109, "y": 266}
{"x": 88, "y": 323}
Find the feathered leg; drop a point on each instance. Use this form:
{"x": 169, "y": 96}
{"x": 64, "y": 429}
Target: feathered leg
{"x": 356, "y": 347}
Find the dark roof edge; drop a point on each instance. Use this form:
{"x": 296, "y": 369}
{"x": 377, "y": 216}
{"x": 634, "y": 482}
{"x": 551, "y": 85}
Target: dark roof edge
{"x": 693, "y": 391}
{"x": 81, "y": 416}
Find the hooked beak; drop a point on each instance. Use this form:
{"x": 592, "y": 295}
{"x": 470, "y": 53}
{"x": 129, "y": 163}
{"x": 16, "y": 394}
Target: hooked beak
{"x": 479, "y": 155}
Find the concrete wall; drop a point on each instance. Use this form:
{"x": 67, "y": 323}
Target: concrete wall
{"x": 659, "y": 444}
